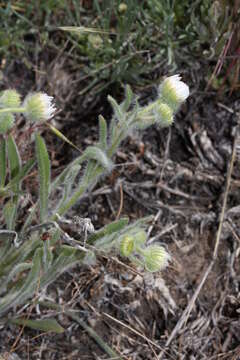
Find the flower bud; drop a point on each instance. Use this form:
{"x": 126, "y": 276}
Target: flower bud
{"x": 127, "y": 245}
{"x": 95, "y": 40}
{"x": 173, "y": 91}
{"x": 38, "y": 107}
{"x": 156, "y": 258}
{"x": 164, "y": 115}
{"x": 10, "y": 99}
{"x": 122, "y": 8}
{"x": 6, "y": 122}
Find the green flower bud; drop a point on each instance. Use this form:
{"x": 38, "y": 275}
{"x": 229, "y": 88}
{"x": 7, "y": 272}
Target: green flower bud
{"x": 10, "y": 99}
{"x": 95, "y": 40}
{"x": 164, "y": 115}
{"x": 156, "y": 258}
{"x": 38, "y": 107}
{"x": 127, "y": 245}
{"x": 6, "y": 122}
{"x": 173, "y": 91}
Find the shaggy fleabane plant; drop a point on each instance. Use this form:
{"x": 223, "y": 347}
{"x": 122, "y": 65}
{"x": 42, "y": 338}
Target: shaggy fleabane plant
{"x": 36, "y": 253}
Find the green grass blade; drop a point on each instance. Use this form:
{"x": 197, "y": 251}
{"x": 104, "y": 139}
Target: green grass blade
{"x": 42, "y": 325}
{"x": 44, "y": 175}
{"x": 83, "y": 29}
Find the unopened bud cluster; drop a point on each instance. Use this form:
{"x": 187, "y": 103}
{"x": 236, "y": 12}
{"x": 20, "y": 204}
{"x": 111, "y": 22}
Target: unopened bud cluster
{"x": 153, "y": 257}
{"x": 36, "y": 107}
{"x": 10, "y": 99}
{"x": 171, "y": 94}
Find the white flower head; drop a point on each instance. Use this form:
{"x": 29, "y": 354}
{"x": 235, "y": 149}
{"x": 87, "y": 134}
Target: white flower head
{"x": 39, "y": 107}
{"x": 174, "y": 91}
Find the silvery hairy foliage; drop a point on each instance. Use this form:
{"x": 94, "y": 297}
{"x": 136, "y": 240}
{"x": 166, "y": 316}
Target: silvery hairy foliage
{"x": 35, "y": 253}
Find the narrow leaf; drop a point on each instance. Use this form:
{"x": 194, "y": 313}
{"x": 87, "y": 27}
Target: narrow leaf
{"x": 6, "y": 240}
{"x": 3, "y": 164}
{"x": 17, "y": 269}
{"x": 102, "y": 132}
{"x": 43, "y": 325}
{"x": 63, "y": 137}
{"x": 21, "y": 174}
{"x": 95, "y": 153}
{"x": 19, "y": 255}
{"x": 108, "y": 229}
{"x": 9, "y": 213}
{"x": 15, "y": 167}
{"x": 4, "y": 192}
{"x": 67, "y": 258}
{"x": 116, "y": 108}
{"x": 128, "y": 99}
{"x": 27, "y": 290}
{"x": 47, "y": 256}
{"x": 68, "y": 184}
{"x": 61, "y": 177}
{"x": 44, "y": 175}
{"x": 13, "y": 157}
{"x": 83, "y": 29}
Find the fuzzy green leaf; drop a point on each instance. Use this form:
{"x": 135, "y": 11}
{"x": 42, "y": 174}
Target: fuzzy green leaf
{"x": 67, "y": 258}
{"x": 128, "y": 99}
{"x": 68, "y": 184}
{"x": 9, "y": 213}
{"x": 19, "y": 255}
{"x": 19, "y": 296}
{"x": 3, "y": 164}
{"x": 108, "y": 230}
{"x": 117, "y": 109}
{"x": 102, "y": 132}
{"x": 95, "y": 153}
{"x": 17, "y": 269}
{"x": 15, "y": 165}
{"x": 6, "y": 240}
{"x": 62, "y": 177}
{"x": 13, "y": 157}
{"x": 47, "y": 256}
{"x": 21, "y": 174}
{"x": 44, "y": 175}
